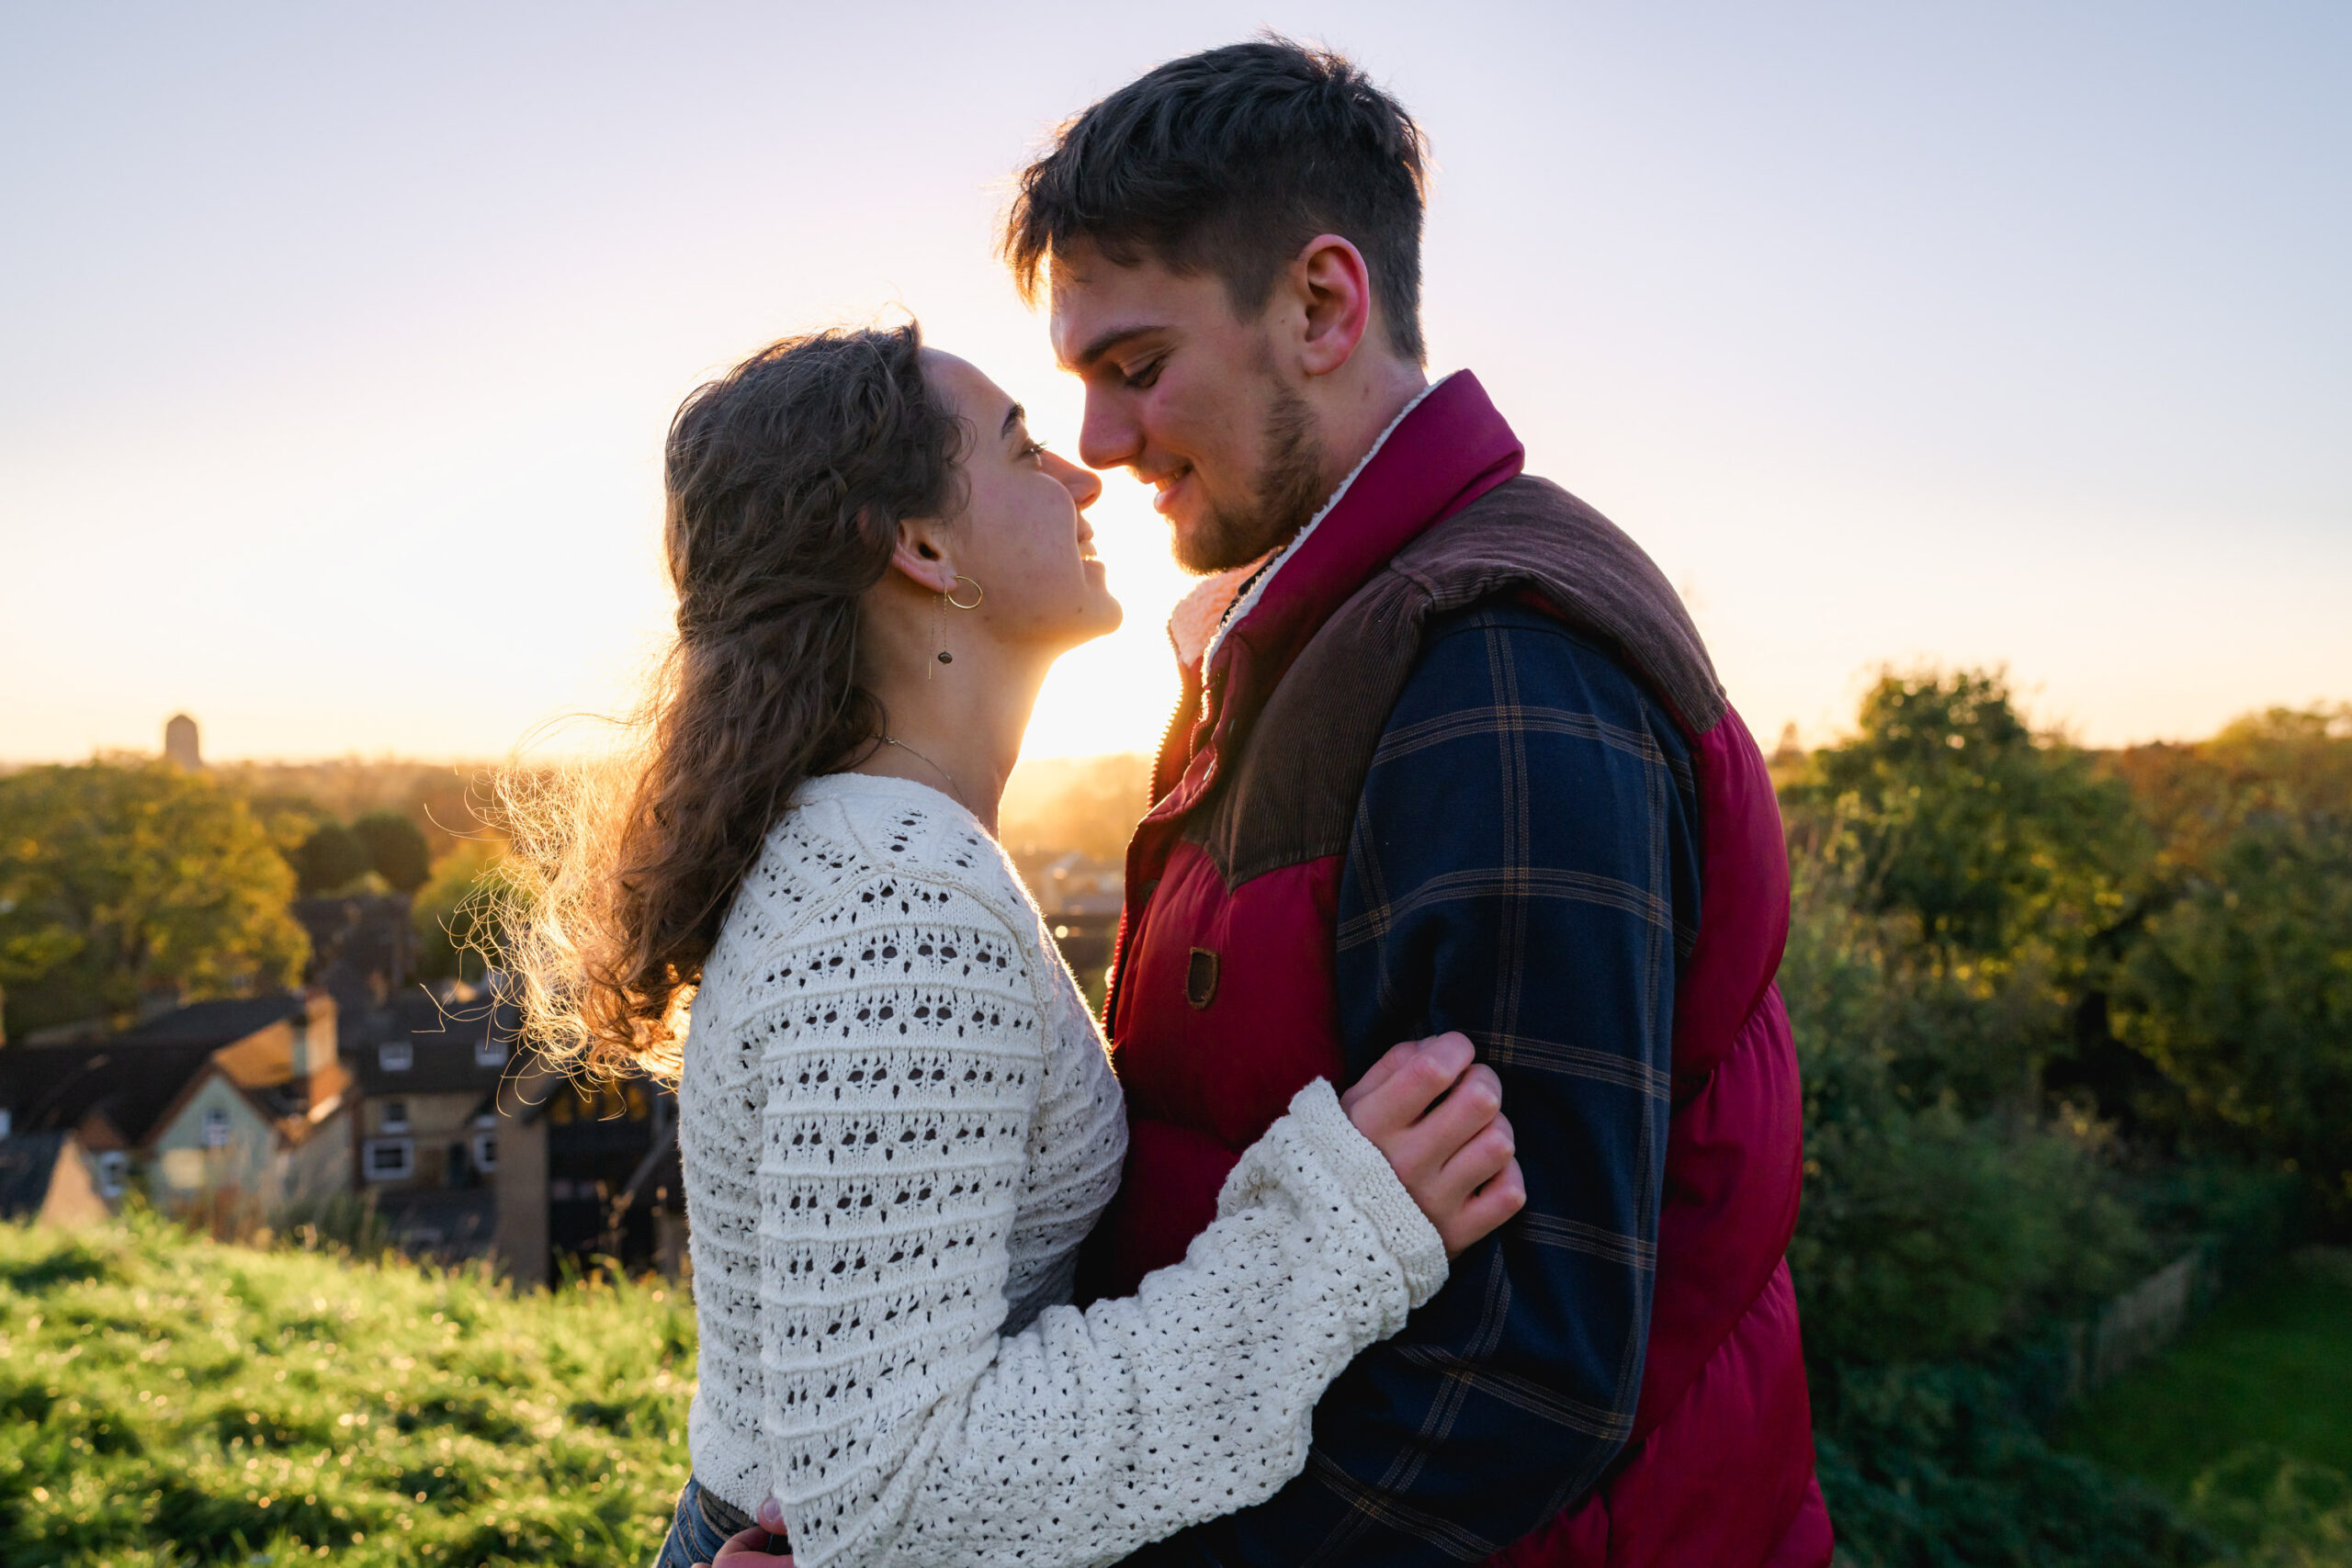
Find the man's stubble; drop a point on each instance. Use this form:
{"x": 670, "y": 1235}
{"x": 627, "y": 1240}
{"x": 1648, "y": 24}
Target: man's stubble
{"x": 1287, "y": 488}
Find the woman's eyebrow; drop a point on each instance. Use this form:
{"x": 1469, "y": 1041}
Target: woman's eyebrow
{"x": 1012, "y": 416}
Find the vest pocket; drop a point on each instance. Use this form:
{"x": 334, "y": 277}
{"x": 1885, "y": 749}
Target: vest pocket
{"x": 1200, "y": 978}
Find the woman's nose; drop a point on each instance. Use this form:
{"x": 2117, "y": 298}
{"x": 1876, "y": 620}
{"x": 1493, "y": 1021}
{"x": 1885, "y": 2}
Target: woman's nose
{"x": 1083, "y": 484}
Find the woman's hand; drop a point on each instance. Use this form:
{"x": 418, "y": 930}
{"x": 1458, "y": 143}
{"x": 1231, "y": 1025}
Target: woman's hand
{"x": 750, "y": 1549}
{"x": 1438, "y": 1117}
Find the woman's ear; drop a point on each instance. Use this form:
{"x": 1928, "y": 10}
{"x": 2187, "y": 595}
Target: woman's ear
{"x": 920, "y": 555}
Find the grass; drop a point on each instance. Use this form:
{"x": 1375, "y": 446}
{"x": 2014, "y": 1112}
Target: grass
{"x": 2247, "y": 1421}
{"x": 170, "y": 1400}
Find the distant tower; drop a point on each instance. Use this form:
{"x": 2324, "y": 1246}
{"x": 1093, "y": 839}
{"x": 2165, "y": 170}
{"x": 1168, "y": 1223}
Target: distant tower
{"x": 179, "y": 742}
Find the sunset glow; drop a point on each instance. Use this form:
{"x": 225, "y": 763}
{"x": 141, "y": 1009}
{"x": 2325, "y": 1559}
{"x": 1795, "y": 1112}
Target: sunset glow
{"x": 338, "y": 424}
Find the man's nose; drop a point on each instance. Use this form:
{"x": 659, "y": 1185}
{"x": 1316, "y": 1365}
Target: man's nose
{"x": 1108, "y": 437}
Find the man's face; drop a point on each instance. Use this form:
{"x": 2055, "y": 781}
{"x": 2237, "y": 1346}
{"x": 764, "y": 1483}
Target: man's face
{"x": 1191, "y": 398}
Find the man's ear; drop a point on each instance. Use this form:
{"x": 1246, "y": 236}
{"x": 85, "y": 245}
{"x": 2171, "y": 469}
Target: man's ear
{"x": 1334, "y": 286}
{"x": 920, "y": 555}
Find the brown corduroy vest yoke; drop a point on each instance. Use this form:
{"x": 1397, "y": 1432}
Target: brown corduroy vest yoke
{"x": 1292, "y": 796}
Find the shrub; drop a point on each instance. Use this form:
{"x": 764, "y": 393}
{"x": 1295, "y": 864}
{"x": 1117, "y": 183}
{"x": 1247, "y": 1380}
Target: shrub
{"x": 1933, "y": 1224}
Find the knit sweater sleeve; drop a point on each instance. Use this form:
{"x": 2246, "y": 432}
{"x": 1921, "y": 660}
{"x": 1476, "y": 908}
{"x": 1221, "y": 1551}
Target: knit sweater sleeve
{"x": 899, "y": 1427}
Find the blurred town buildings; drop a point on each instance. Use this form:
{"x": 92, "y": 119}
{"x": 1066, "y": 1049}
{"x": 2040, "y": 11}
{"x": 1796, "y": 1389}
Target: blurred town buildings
{"x": 377, "y": 1102}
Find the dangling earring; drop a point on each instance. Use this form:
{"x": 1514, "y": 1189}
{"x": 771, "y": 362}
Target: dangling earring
{"x": 939, "y": 618}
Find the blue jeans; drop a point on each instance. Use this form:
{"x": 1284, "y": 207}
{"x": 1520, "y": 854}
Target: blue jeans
{"x": 702, "y": 1525}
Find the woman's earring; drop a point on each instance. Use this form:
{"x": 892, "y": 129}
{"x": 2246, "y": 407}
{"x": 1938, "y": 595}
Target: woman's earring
{"x": 939, "y": 619}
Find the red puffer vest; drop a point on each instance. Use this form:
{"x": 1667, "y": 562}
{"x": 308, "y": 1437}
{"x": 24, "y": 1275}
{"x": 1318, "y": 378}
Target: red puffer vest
{"x": 1222, "y": 1003}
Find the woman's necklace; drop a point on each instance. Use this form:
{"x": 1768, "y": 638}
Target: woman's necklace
{"x": 942, "y": 772}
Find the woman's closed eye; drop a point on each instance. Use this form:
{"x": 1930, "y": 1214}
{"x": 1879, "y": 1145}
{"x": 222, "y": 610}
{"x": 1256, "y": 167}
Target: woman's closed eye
{"x": 1032, "y": 450}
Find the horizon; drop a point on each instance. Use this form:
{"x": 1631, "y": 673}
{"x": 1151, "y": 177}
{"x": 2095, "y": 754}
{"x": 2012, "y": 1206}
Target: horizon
{"x": 2007, "y": 341}
{"x": 2341, "y": 714}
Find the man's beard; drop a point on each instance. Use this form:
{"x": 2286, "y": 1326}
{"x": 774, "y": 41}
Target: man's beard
{"x": 1287, "y": 490}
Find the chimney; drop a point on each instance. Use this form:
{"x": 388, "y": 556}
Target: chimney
{"x": 317, "y": 1067}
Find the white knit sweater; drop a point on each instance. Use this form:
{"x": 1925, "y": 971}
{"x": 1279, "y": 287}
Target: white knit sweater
{"x": 898, "y": 1122}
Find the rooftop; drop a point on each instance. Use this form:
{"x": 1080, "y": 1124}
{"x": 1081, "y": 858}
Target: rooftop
{"x": 56, "y": 1088}
{"x": 216, "y": 1023}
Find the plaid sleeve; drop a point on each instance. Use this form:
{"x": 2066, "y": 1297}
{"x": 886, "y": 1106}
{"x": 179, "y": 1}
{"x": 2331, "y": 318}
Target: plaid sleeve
{"x": 1524, "y": 869}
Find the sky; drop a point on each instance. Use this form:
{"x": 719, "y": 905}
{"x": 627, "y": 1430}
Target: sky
{"x": 336, "y": 344}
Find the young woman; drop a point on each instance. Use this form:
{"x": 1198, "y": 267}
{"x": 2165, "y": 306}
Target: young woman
{"x": 898, "y": 1118}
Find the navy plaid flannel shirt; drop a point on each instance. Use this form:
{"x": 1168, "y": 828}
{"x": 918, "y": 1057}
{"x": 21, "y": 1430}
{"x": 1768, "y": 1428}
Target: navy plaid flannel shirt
{"x": 1524, "y": 869}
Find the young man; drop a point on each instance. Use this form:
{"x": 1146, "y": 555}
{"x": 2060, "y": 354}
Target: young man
{"x": 1450, "y": 757}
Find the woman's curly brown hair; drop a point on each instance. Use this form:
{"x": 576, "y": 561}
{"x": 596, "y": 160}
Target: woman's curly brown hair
{"x": 787, "y": 479}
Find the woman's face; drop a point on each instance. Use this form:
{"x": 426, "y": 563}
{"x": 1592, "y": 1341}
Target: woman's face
{"x": 1022, "y": 535}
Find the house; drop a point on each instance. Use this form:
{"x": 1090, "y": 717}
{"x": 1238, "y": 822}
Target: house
{"x": 586, "y": 1170}
{"x": 47, "y": 1177}
{"x": 224, "y": 1109}
{"x": 362, "y": 947}
{"x": 426, "y": 1070}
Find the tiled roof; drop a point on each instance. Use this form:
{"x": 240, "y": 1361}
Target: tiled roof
{"x": 53, "y": 1088}
{"x": 215, "y": 1023}
{"x": 442, "y": 1045}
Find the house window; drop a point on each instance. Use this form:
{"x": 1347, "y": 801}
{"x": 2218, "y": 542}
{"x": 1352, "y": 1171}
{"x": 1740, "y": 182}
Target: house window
{"x": 490, "y": 1051}
{"x": 396, "y": 1116}
{"x": 485, "y": 1151}
{"x": 4, "y": 1125}
{"x": 216, "y": 1128}
{"x": 391, "y": 1160}
{"x": 113, "y": 1166}
{"x": 395, "y": 1056}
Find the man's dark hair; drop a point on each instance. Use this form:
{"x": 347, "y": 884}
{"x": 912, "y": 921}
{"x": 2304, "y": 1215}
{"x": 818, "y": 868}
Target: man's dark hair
{"x": 1227, "y": 161}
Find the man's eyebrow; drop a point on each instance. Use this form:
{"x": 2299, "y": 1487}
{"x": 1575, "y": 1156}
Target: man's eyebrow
{"x": 1012, "y": 416}
{"x": 1104, "y": 343}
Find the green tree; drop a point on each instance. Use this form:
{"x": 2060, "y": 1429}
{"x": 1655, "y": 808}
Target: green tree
{"x": 395, "y": 850}
{"x": 119, "y": 875}
{"x": 330, "y": 858}
{"x": 453, "y": 910}
{"x": 1991, "y": 860}
{"x": 1949, "y": 810}
{"x": 2239, "y": 986}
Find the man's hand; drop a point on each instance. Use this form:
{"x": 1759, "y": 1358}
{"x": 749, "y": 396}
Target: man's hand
{"x": 1438, "y": 1117}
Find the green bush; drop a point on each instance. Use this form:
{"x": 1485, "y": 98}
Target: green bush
{"x": 2279, "y": 1511}
{"x": 172, "y": 1400}
{"x": 1934, "y": 1223}
{"x": 1944, "y": 1465}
